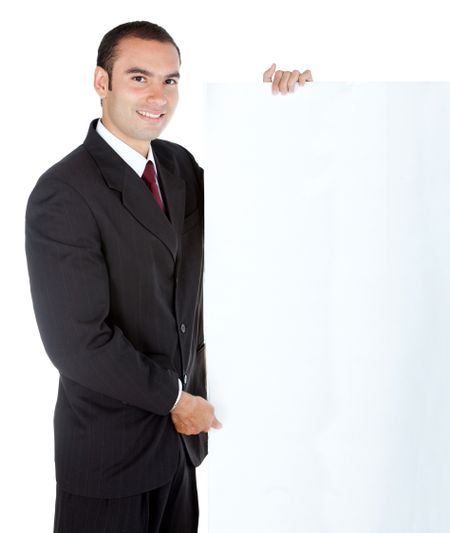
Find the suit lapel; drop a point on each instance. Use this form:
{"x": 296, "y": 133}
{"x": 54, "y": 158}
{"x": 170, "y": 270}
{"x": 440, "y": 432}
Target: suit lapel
{"x": 136, "y": 196}
{"x": 172, "y": 185}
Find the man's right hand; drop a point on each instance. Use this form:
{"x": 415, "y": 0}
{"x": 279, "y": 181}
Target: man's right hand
{"x": 193, "y": 414}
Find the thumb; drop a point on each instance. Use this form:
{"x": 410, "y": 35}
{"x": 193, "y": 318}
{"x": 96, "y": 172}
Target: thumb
{"x": 267, "y": 76}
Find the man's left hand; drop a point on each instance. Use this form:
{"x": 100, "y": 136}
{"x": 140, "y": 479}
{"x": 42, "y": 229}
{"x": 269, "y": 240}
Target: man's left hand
{"x": 284, "y": 81}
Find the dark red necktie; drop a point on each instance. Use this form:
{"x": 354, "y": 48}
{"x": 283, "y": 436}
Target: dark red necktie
{"x": 149, "y": 177}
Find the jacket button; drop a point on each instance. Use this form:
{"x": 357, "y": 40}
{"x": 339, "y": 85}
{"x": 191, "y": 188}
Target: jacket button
{"x": 185, "y": 377}
{"x": 183, "y": 328}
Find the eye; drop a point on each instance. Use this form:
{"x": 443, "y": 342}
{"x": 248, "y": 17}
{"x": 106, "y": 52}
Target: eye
{"x": 139, "y": 79}
{"x": 171, "y": 81}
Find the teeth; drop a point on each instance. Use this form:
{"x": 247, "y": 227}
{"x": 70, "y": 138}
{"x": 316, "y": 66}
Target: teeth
{"x": 149, "y": 115}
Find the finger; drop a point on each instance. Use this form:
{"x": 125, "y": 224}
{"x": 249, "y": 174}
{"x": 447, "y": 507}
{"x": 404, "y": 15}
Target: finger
{"x": 283, "y": 85}
{"x": 305, "y": 76}
{"x": 276, "y": 81}
{"x": 292, "y": 81}
{"x": 267, "y": 75}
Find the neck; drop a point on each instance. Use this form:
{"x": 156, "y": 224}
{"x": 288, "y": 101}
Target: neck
{"x": 140, "y": 146}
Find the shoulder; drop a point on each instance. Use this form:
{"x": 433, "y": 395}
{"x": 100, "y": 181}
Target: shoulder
{"x": 169, "y": 147}
{"x": 61, "y": 191}
{"x": 181, "y": 161}
{"x": 178, "y": 153}
{"x": 71, "y": 168}
{"x": 74, "y": 171}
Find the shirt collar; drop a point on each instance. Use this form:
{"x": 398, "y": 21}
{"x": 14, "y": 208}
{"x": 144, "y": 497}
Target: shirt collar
{"x": 134, "y": 159}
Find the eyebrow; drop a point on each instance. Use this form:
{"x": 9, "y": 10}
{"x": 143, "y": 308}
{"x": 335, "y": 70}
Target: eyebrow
{"x": 145, "y": 72}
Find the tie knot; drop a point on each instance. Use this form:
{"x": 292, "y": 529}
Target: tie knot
{"x": 149, "y": 173}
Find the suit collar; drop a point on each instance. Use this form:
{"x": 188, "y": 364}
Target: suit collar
{"x": 135, "y": 195}
{"x": 132, "y": 157}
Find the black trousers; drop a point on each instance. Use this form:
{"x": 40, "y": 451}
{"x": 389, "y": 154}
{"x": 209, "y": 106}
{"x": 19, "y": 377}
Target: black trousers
{"x": 172, "y": 508}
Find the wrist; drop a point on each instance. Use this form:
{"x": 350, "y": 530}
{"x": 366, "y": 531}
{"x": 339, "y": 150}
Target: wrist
{"x": 183, "y": 402}
{"x": 180, "y": 390}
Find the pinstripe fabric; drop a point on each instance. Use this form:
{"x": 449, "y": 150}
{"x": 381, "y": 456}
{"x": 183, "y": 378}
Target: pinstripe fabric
{"x": 117, "y": 292}
{"x": 172, "y": 508}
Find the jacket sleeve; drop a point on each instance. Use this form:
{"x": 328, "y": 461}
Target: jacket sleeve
{"x": 70, "y": 292}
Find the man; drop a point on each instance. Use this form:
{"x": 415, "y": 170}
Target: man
{"x": 114, "y": 242}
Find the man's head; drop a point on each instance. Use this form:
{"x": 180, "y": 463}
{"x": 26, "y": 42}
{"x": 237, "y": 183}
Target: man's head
{"x": 141, "y": 29}
{"x": 137, "y": 77}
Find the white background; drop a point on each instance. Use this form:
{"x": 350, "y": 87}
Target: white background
{"x": 48, "y": 57}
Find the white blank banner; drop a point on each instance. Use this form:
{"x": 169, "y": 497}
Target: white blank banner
{"x": 327, "y": 292}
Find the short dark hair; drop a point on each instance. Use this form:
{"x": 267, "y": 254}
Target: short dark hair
{"x": 141, "y": 29}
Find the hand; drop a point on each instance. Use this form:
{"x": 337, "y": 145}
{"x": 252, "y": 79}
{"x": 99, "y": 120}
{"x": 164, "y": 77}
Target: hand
{"x": 284, "y": 80}
{"x": 193, "y": 414}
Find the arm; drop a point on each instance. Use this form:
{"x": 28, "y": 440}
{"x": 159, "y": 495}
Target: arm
{"x": 70, "y": 291}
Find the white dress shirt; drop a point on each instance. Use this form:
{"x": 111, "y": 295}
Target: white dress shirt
{"x": 137, "y": 162}
{"x": 132, "y": 158}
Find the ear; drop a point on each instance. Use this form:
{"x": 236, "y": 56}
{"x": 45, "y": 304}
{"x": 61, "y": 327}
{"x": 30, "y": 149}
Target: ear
{"x": 101, "y": 80}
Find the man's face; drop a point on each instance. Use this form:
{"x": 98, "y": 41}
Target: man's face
{"x": 144, "y": 91}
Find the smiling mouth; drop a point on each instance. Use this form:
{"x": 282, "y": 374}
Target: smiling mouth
{"x": 151, "y": 116}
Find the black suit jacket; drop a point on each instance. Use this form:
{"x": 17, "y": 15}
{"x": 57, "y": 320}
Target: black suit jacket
{"x": 117, "y": 293}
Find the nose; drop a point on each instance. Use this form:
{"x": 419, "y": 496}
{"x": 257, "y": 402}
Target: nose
{"x": 155, "y": 94}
